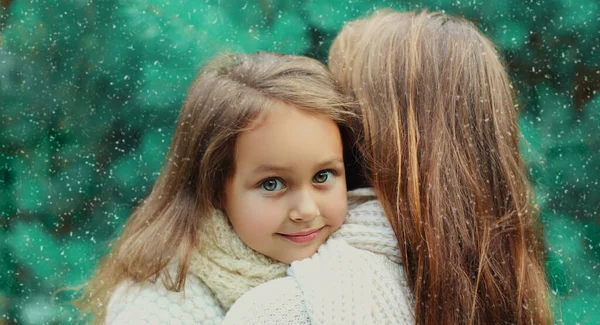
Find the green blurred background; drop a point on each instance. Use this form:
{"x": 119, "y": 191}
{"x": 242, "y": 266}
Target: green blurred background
{"x": 90, "y": 92}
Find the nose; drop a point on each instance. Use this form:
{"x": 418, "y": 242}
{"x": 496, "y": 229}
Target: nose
{"x": 305, "y": 208}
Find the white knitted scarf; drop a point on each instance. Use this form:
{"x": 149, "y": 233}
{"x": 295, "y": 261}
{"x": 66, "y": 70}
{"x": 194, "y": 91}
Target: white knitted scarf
{"x": 226, "y": 265}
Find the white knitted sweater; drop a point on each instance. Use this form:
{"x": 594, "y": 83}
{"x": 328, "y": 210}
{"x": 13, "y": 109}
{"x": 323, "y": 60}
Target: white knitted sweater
{"x": 151, "y": 303}
{"x": 364, "y": 244}
{"x": 354, "y": 278}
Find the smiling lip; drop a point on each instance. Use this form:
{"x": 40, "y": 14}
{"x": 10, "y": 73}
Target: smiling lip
{"x": 303, "y": 237}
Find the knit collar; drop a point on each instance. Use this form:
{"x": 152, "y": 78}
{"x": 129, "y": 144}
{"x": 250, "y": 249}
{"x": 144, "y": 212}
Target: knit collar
{"x": 366, "y": 227}
{"x": 226, "y": 265}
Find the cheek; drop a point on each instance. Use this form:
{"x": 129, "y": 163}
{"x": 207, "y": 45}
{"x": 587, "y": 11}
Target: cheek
{"x": 336, "y": 209}
{"x": 251, "y": 217}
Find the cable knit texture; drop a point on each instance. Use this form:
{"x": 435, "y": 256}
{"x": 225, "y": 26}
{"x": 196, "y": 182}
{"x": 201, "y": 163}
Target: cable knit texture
{"x": 354, "y": 278}
{"x": 227, "y": 266}
{"x": 220, "y": 271}
{"x": 152, "y": 303}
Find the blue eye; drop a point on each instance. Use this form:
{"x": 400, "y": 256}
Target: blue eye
{"x": 272, "y": 185}
{"x": 323, "y": 176}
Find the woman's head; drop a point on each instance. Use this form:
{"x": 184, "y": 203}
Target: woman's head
{"x": 440, "y": 142}
{"x": 430, "y": 74}
{"x": 233, "y": 97}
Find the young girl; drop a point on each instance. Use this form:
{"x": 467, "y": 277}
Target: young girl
{"x": 440, "y": 143}
{"x": 258, "y": 138}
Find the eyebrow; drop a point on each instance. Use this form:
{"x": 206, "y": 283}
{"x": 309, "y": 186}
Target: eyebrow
{"x": 333, "y": 161}
{"x": 275, "y": 168}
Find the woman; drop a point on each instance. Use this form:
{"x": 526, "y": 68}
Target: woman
{"x": 439, "y": 144}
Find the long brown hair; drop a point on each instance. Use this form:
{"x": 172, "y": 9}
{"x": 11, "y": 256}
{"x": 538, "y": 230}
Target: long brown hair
{"x": 441, "y": 143}
{"x": 227, "y": 94}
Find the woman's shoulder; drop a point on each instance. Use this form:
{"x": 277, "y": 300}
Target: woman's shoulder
{"x": 151, "y": 303}
{"x": 278, "y": 301}
{"x": 345, "y": 282}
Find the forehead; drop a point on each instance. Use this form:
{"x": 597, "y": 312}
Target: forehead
{"x": 288, "y": 135}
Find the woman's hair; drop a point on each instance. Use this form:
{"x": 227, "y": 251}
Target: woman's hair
{"x": 440, "y": 141}
{"x": 226, "y": 96}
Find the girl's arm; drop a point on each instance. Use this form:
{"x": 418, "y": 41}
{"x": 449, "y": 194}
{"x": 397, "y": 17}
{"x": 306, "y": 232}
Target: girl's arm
{"x": 152, "y": 303}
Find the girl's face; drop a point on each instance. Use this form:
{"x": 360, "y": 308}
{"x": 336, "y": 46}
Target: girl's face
{"x": 288, "y": 191}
